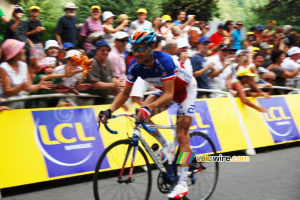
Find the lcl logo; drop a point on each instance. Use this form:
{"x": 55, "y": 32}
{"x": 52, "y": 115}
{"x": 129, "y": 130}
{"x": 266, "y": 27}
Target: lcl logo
{"x": 279, "y": 120}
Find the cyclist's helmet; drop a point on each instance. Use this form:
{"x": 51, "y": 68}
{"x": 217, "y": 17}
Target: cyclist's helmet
{"x": 143, "y": 35}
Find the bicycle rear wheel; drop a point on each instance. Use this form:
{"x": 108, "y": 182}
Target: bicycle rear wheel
{"x": 111, "y": 185}
{"x": 202, "y": 176}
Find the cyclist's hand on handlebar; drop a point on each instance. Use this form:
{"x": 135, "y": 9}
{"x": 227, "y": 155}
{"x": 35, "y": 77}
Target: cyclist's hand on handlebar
{"x": 104, "y": 114}
{"x": 144, "y": 113}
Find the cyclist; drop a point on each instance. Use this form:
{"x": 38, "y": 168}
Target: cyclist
{"x": 173, "y": 83}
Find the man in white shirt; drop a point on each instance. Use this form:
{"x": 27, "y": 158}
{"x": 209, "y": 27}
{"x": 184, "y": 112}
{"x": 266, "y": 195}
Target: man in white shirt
{"x": 290, "y": 64}
{"x": 219, "y": 76}
{"x": 141, "y": 22}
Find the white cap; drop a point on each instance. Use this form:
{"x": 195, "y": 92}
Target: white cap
{"x": 196, "y": 29}
{"x": 51, "y": 43}
{"x": 72, "y": 53}
{"x": 128, "y": 47}
{"x": 70, "y": 5}
{"x": 121, "y": 35}
{"x": 106, "y": 15}
{"x": 182, "y": 42}
{"x": 293, "y": 51}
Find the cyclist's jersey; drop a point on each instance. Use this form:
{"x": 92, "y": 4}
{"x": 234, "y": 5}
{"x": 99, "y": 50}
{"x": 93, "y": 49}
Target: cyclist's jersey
{"x": 164, "y": 68}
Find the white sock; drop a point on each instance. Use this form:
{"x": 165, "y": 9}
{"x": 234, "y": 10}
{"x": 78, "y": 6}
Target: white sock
{"x": 162, "y": 140}
{"x": 183, "y": 176}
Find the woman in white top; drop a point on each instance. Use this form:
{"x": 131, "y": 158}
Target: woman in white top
{"x": 108, "y": 20}
{"x": 14, "y": 73}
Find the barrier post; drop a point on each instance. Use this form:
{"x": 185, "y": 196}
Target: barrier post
{"x": 250, "y": 151}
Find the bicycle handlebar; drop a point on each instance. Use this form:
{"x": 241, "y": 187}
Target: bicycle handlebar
{"x": 149, "y": 130}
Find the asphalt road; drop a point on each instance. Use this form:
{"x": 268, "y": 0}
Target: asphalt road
{"x": 270, "y": 175}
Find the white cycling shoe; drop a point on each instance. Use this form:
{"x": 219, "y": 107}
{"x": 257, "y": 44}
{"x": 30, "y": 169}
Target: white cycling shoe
{"x": 178, "y": 192}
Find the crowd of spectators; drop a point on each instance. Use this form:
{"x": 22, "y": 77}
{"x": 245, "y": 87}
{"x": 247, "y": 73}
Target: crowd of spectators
{"x": 269, "y": 56}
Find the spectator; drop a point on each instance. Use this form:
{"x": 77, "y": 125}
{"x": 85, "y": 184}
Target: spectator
{"x": 258, "y": 61}
{"x": 288, "y": 38}
{"x": 270, "y": 31}
{"x": 94, "y": 37}
{"x": 269, "y": 77}
{"x": 171, "y": 47}
{"x": 228, "y": 28}
{"x": 108, "y": 18}
{"x": 244, "y": 78}
{"x": 156, "y": 24}
{"x": 291, "y": 64}
{"x": 121, "y": 18}
{"x": 219, "y": 76}
{"x": 101, "y": 76}
{"x": 67, "y": 46}
{"x": 277, "y": 57}
{"x": 267, "y": 50}
{"x": 204, "y": 30}
{"x": 73, "y": 84}
{"x": 237, "y": 36}
{"x": 194, "y": 35}
{"x": 182, "y": 45}
{"x": 17, "y": 29}
{"x": 52, "y": 50}
{"x": 250, "y": 42}
{"x": 176, "y": 31}
{"x": 6, "y": 18}
{"x": 217, "y": 38}
{"x": 201, "y": 68}
{"x": 14, "y": 73}
{"x": 66, "y": 29}
{"x": 35, "y": 32}
{"x": 141, "y": 22}
{"x": 259, "y": 31}
{"x": 166, "y": 27}
{"x": 45, "y": 72}
{"x": 117, "y": 58}
{"x": 181, "y": 16}
{"x": 91, "y": 25}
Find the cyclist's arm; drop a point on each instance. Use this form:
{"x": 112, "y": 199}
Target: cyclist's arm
{"x": 121, "y": 97}
{"x": 166, "y": 98}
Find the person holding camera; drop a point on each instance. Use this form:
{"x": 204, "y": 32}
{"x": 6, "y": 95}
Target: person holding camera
{"x": 35, "y": 32}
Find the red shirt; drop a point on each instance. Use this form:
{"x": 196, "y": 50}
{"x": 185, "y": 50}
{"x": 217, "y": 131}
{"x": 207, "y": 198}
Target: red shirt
{"x": 216, "y": 38}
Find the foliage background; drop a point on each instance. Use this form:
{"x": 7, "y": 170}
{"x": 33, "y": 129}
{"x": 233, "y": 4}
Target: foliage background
{"x": 251, "y": 12}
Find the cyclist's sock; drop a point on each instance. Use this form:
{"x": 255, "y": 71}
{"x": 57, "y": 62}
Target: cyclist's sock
{"x": 183, "y": 176}
{"x": 162, "y": 140}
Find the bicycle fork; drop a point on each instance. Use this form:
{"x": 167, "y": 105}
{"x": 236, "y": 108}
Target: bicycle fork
{"x": 135, "y": 149}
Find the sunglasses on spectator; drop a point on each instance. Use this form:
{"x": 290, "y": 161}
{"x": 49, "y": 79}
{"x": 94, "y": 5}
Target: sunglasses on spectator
{"x": 139, "y": 49}
{"x": 225, "y": 50}
{"x": 123, "y": 40}
{"x": 239, "y": 24}
{"x": 269, "y": 79}
{"x": 96, "y": 11}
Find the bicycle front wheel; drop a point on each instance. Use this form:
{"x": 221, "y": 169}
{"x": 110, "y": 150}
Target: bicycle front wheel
{"x": 202, "y": 176}
{"x": 114, "y": 180}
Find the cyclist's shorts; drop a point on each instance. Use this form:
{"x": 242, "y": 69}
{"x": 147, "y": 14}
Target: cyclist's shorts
{"x": 185, "y": 98}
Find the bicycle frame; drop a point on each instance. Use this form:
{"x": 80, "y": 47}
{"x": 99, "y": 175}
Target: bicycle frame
{"x": 137, "y": 136}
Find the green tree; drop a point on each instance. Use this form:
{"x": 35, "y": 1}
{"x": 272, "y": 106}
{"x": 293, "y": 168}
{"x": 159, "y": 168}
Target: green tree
{"x": 204, "y": 10}
{"x": 282, "y": 11}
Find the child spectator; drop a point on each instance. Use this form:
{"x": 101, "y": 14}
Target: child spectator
{"x": 74, "y": 83}
{"x": 45, "y": 72}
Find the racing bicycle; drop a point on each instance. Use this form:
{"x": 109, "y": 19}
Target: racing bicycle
{"x": 123, "y": 171}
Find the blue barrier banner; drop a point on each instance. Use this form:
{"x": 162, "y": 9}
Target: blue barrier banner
{"x": 68, "y": 139}
{"x": 202, "y": 122}
{"x": 279, "y": 119}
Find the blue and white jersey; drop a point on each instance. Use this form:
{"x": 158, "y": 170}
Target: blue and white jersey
{"x": 164, "y": 68}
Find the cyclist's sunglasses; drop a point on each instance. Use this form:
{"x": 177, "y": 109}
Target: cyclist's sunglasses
{"x": 139, "y": 49}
